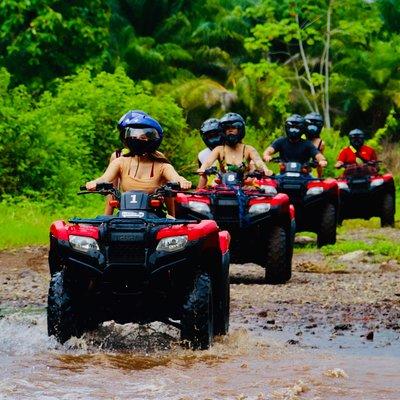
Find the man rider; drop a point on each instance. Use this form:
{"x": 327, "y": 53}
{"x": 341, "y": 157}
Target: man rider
{"x": 292, "y": 147}
{"x": 357, "y": 152}
{"x": 212, "y": 135}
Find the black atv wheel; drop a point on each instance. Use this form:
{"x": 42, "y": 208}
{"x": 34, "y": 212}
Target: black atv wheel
{"x": 327, "y": 230}
{"x": 278, "y": 267}
{"x": 388, "y": 210}
{"x": 289, "y": 252}
{"x": 63, "y": 321}
{"x": 197, "y": 325}
{"x": 221, "y": 296}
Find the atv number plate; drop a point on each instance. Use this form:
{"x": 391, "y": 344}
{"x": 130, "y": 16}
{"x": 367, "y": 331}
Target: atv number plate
{"x": 293, "y": 174}
{"x": 127, "y": 236}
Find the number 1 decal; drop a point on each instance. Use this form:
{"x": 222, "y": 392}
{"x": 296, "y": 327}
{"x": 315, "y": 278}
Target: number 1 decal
{"x": 133, "y": 199}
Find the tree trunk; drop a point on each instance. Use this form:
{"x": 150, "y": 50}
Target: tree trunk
{"x": 326, "y": 62}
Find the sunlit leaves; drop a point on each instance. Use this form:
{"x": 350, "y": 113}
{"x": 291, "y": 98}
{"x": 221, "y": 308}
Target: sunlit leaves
{"x": 44, "y": 39}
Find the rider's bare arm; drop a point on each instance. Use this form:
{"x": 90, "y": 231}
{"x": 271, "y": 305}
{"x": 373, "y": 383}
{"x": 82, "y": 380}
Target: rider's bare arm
{"x": 319, "y": 168}
{"x": 108, "y": 210}
{"x": 209, "y": 162}
{"x": 252, "y": 155}
{"x": 109, "y": 175}
{"x": 321, "y": 160}
{"x": 268, "y": 153}
{"x": 170, "y": 175}
{"x": 214, "y": 155}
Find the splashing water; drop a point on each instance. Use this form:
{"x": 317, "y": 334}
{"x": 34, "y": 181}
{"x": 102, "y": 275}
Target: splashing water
{"x": 136, "y": 362}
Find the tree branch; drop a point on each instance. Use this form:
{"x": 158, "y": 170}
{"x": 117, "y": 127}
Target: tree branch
{"x": 310, "y": 107}
{"x": 305, "y": 63}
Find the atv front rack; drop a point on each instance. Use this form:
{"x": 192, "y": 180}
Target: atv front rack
{"x": 148, "y": 221}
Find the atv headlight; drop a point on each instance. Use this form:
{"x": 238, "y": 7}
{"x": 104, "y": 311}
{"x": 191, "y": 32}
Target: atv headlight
{"x": 315, "y": 190}
{"x": 172, "y": 243}
{"x": 377, "y": 182}
{"x": 199, "y": 206}
{"x": 269, "y": 190}
{"x": 259, "y": 208}
{"x": 343, "y": 186}
{"x": 83, "y": 243}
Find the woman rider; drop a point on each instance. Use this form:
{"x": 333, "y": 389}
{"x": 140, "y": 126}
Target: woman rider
{"x": 118, "y": 153}
{"x": 233, "y": 154}
{"x": 313, "y": 127}
{"x": 143, "y": 167}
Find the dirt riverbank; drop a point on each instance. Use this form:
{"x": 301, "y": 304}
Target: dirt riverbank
{"x": 331, "y": 332}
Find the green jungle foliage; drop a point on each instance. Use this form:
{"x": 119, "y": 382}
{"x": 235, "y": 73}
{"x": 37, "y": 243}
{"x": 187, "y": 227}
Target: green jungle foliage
{"x": 69, "y": 70}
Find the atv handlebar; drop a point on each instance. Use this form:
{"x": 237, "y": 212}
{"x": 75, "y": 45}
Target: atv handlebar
{"x": 214, "y": 171}
{"x": 103, "y": 188}
{"x": 372, "y": 163}
{"x": 99, "y": 186}
{"x": 308, "y": 164}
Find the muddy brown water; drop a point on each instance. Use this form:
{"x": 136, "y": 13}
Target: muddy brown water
{"x": 321, "y": 336}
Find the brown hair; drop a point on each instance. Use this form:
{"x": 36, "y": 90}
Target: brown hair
{"x": 154, "y": 156}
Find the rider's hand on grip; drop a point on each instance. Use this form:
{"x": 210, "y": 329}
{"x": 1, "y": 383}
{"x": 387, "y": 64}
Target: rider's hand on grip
{"x": 173, "y": 185}
{"x": 210, "y": 171}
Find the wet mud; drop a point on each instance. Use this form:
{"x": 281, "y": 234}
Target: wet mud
{"x": 332, "y": 332}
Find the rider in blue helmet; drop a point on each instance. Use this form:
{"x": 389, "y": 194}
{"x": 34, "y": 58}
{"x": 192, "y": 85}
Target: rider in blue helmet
{"x": 130, "y": 115}
{"x": 143, "y": 167}
{"x": 140, "y": 133}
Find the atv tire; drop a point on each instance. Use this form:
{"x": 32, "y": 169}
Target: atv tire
{"x": 221, "y": 296}
{"x": 388, "y": 210}
{"x": 327, "y": 230}
{"x": 63, "y": 320}
{"x": 278, "y": 266}
{"x": 197, "y": 324}
{"x": 289, "y": 252}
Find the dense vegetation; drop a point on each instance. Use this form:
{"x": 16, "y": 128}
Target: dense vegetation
{"x": 69, "y": 70}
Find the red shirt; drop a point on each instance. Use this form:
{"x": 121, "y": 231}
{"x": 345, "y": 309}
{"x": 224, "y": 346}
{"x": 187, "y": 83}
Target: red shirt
{"x": 349, "y": 154}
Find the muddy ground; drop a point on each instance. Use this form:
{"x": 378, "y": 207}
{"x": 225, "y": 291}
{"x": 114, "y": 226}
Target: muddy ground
{"x": 333, "y": 292}
{"x": 348, "y": 303}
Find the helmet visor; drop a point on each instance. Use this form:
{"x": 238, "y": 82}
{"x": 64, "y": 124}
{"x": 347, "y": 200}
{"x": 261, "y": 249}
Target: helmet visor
{"x": 141, "y": 133}
{"x": 316, "y": 122}
{"x": 236, "y": 125}
{"x": 212, "y": 134}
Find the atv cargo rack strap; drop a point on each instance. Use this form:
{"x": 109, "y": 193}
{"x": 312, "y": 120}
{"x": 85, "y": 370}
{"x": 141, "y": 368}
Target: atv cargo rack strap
{"x": 150, "y": 221}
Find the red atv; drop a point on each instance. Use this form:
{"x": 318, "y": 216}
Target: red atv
{"x": 316, "y": 201}
{"x": 365, "y": 193}
{"x": 139, "y": 267}
{"x": 260, "y": 221}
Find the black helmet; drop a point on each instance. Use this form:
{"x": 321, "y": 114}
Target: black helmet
{"x": 236, "y": 121}
{"x": 211, "y": 133}
{"x": 357, "y": 138}
{"x": 314, "y": 124}
{"x": 139, "y": 132}
{"x": 294, "y": 126}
